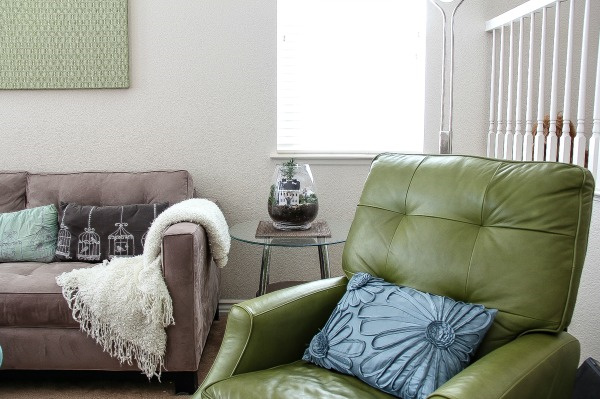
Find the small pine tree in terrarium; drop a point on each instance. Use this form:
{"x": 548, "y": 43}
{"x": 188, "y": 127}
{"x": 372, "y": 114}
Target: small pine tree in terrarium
{"x": 293, "y": 203}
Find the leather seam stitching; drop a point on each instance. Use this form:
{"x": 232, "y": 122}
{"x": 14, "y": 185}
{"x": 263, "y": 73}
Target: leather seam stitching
{"x": 387, "y": 256}
{"x": 479, "y": 230}
{"x": 237, "y": 363}
{"x": 577, "y": 233}
{"x": 471, "y": 263}
{"x": 296, "y": 299}
{"x": 251, "y": 317}
{"x": 531, "y": 369}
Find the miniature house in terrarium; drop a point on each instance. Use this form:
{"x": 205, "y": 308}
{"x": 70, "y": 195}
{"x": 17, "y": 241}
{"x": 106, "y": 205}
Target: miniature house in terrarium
{"x": 293, "y": 203}
{"x": 288, "y": 192}
{"x": 88, "y": 243}
{"x": 121, "y": 243}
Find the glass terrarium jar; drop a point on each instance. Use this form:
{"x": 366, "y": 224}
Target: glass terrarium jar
{"x": 293, "y": 202}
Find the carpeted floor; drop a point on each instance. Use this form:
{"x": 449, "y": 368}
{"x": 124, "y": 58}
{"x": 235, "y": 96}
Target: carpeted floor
{"x": 100, "y": 385}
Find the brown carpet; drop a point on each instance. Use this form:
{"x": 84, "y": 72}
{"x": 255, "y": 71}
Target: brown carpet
{"x": 24, "y": 384}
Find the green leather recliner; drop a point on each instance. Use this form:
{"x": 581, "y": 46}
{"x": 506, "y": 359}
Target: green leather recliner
{"x": 508, "y": 235}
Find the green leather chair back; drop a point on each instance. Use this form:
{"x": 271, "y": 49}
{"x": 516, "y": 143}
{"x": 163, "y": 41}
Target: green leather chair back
{"x": 508, "y": 235}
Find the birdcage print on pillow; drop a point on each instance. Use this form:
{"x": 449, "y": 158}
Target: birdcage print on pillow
{"x": 63, "y": 244}
{"x": 88, "y": 243}
{"x": 143, "y": 240}
{"x": 102, "y": 241}
{"x": 121, "y": 243}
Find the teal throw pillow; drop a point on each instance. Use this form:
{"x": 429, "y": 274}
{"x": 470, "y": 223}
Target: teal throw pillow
{"x": 397, "y": 339}
{"x": 29, "y": 235}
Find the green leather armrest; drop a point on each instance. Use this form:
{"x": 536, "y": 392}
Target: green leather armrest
{"x": 274, "y": 329}
{"x": 540, "y": 366}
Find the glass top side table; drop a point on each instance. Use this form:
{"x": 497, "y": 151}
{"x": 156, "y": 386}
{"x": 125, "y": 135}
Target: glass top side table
{"x": 246, "y": 232}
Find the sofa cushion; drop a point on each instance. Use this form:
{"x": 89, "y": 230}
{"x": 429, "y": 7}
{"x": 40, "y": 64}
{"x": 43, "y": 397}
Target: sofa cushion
{"x": 30, "y": 297}
{"x": 109, "y": 188}
{"x": 29, "y": 234}
{"x": 12, "y": 191}
{"x": 292, "y": 381}
{"x": 96, "y": 233}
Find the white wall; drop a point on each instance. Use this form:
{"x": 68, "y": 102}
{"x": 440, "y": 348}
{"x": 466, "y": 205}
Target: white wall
{"x": 202, "y": 98}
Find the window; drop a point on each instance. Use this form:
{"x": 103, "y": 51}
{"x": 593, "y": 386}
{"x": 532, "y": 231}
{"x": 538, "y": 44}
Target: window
{"x": 350, "y": 76}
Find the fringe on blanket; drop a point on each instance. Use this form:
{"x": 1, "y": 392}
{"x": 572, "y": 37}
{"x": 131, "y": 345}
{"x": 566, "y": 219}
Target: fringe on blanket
{"x": 110, "y": 341}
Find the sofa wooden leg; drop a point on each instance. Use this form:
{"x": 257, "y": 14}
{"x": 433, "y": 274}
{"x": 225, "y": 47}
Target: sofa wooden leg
{"x": 186, "y": 382}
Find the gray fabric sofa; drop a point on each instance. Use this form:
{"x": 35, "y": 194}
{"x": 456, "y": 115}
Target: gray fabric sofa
{"x": 37, "y": 330}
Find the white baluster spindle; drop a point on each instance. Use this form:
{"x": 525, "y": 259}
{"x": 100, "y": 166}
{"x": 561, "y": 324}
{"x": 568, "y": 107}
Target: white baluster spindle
{"x": 491, "y": 137}
{"x": 580, "y": 139}
{"x": 508, "y": 139}
{"x": 552, "y": 139}
{"x": 564, "y": 154}
{"x": 528, "y": 139}
{"x": 538, "y": 149}
{"x": 518, "y": 141}
{"x": 500, "y": 124}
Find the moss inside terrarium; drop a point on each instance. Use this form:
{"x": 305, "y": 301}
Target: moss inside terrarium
{"x": 294, "y": 214}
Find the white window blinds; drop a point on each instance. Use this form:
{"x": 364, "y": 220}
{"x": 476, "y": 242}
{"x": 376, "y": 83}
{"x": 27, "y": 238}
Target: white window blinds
{"x": 350, "y": 76}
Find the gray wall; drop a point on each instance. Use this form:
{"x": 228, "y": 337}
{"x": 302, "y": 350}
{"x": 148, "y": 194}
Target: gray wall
{"x": 202, "y": 98}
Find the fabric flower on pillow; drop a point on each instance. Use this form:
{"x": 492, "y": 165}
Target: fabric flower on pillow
{"x": 416, "y": 332}
{"x": 331, "y": 347}
{"x": 362, "y": 288}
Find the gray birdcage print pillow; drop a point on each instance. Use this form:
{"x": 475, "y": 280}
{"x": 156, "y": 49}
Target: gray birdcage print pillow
{"x": 96, "y": 233}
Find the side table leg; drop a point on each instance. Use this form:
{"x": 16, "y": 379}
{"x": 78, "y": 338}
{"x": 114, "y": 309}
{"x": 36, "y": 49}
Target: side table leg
{"x": 264, "y": 270}
{"x": 324, "y": 261}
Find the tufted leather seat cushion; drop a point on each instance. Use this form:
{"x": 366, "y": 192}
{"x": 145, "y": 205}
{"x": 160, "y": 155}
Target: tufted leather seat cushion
{"x": 293, "y": 381}
{"x": 477, "y": 230}
{"x": 30, "y": 296}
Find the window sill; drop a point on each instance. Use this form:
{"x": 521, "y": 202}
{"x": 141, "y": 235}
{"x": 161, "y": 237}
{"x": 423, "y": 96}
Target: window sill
{"x": 325, "y": 159}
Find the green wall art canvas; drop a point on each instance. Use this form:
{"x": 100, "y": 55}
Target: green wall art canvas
{"x": 63, "y": 44}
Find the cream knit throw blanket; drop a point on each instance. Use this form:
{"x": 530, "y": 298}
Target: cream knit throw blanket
{"x": 124, "y": 304}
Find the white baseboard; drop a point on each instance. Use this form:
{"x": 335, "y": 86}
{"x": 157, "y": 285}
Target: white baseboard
{"x": 226, "y": 304}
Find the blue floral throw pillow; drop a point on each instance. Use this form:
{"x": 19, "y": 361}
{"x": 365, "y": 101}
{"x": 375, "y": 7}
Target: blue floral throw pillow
{"x": 397, "y": 339}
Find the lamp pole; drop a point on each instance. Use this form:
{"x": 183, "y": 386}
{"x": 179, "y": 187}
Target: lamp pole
{"x": 445, "y": 133}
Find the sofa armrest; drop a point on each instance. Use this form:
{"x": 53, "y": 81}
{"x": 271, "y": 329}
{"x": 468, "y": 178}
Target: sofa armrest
{"x": 193, "y": 283}
{"x": 532, "y": 366}
{"x": 275, "y": 328}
